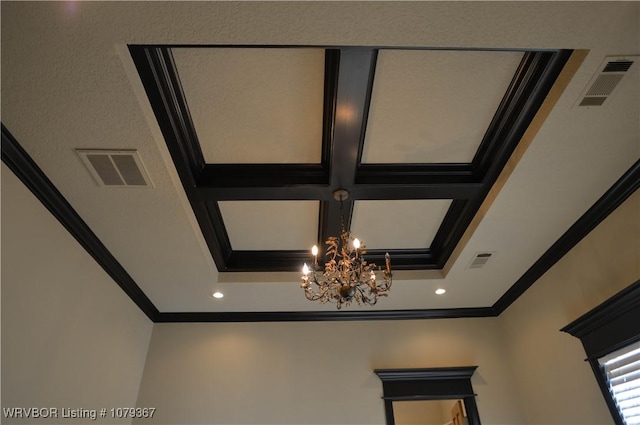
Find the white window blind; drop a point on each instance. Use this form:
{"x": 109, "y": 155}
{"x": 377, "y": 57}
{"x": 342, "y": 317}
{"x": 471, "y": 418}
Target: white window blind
{"x": 622, "y": 369}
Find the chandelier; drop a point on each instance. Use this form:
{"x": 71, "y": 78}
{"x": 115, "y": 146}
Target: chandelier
{"x": 346, "y": 275}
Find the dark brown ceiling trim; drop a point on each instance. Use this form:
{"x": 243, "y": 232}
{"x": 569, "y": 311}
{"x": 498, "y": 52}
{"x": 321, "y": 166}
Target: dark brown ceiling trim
{"x": 529, "y": 88}
{"x": 399, "y": 191}
{"x": 355, "y": 72}
{"x": 306, "y": 316}
{"x": 170, "y": 103}
{"x": 331, "y": 70}
{"x": 405, "y": 259}
{"x": 221, "y": 182}
{"x": 458, "y": 217}
{"x": 266, "y": 261}
{"x": 419, "y": 174}
{"x": 349, "y": 73}
{"x": 23, "y": 166}
{"x": 262, "y": 175}
{"x": 209, "y": 218}
{"x": 612, "y": 199}
{"x": 293, "y": 192}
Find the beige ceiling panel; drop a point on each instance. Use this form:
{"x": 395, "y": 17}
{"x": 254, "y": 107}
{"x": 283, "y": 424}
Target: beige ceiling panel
{"x": 271, "y": 225}
{"x": 397, "y": 224}
{"x": 434, "y": 106}
{"x": 255, "y": 105}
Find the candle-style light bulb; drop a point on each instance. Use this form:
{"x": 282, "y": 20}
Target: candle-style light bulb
{"x": 305, "y": 269}
{"x": 356, "y": 243}
{"x": 387, "y": 260}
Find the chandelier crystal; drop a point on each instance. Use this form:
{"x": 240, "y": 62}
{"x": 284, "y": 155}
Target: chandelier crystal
{"x": 346, "y": 275}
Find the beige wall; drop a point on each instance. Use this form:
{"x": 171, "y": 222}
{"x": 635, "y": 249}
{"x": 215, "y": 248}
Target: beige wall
{"x": 315, "y": 372}
{"x": 421, "y": 412}
{"x": 556, "y": 385}
{"x": 70, "y": 336}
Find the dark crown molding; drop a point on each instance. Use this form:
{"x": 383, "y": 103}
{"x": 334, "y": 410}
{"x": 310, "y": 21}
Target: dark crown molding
{"x": 612, "y": 199}
{"x": 17, "y": 159}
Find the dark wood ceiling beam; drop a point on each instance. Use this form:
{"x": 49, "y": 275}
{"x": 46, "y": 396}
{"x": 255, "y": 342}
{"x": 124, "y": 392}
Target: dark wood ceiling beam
{"x": 160, "y": 79}
{"x": 355, "y": 79}
{"x": 434, "y": 173}
{"x": 292, "y": 260}
{"x": 527, "y": 91}
{"x": 392, "y": 191}
{"x": 416, "y": 181}
{"x": 355, "y": 69}
{"x": 282, "y": 193}
{"x": 267, "y": 261}
{"x": 322, "y": 193}
{"x": 262, "y": 175}
{"x": 404, "y": 259}
{"x": 221, "y": 182}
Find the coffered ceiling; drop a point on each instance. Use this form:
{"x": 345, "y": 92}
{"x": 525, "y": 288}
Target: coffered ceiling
{"x": 455, "y": 127}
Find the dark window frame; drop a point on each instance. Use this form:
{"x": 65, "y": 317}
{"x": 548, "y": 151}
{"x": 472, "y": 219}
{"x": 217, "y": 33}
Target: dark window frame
{"x": 612, "y": 325}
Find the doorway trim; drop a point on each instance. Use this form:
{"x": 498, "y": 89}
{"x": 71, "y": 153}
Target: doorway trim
{"x": 440, "y": 383}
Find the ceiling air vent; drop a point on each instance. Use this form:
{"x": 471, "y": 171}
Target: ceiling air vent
{"x": 121, "y": 168}
{"x": 480, "y": 260}
{"x": 604, "y": 82}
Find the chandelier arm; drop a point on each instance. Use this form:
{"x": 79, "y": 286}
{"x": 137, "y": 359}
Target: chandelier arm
{"x": 346, "y": 276}
{"x": 362, "y": 295}
{"x": 312, "y": 297}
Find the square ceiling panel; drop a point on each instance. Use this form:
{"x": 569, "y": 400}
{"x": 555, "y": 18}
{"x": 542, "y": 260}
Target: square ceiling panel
{"x": 434, "y": 106}
{"x": 271, "y": 225}
{"x": 254, "y": 105}
{"x": 403, "y": 224}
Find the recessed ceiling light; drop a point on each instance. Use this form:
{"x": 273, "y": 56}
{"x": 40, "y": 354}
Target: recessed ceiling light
{"x": 218, "y": 295}
{"x": 440, "y": 291}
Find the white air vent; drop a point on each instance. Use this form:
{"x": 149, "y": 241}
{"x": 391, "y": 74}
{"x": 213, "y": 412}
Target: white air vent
{"x": 609, "y": 75}
{"x": 480, "y": 260}
{"x": 121, "y": 168}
